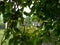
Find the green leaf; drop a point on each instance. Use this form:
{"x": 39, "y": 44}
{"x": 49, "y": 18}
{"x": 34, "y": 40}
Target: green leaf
{"x": 11, "y": 41}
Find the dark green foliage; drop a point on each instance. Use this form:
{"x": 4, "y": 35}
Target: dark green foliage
{"x": 46, "y": 10}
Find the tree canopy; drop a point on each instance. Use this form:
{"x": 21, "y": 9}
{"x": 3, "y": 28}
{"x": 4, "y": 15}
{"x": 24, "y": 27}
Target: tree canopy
{"x": 46, "y": 10}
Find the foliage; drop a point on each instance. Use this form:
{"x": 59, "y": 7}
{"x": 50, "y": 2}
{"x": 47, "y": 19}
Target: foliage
{"x": 46, "y": 10}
